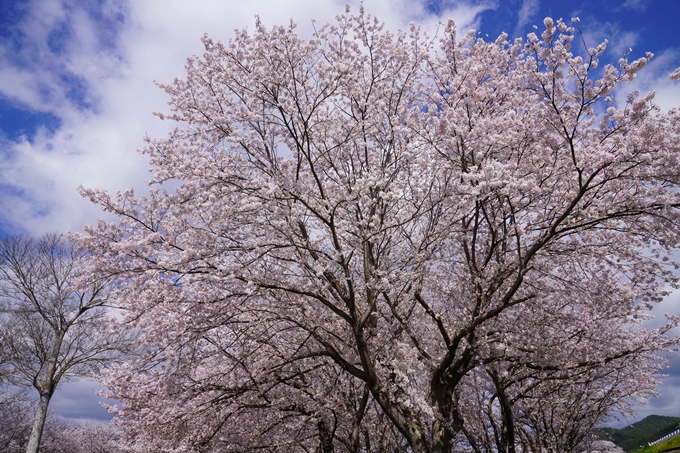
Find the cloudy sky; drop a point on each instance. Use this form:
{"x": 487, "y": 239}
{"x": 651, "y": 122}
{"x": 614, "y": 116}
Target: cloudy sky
{"x": 77, "y": 93}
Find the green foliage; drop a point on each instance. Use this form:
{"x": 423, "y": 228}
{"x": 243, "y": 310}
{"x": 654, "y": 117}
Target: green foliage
{"x": 673, "y": 442}
{"x": 640, "y": 433}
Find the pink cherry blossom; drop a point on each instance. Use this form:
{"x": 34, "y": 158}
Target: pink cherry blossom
{"x": 384, "y": 242}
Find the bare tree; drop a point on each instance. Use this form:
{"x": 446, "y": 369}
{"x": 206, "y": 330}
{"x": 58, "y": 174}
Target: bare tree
{"x": 51, "y": 318}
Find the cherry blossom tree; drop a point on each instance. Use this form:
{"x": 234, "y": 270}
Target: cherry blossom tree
{"x": 369, "y": 230}
{"x": 51, "y": 319}
{"x": 90, "y": 437}
{"x": 508, "y": 411}
{"x": 15, "y": 421}
{"x": 524, "y": 394}
{"x": 602, "y": 446}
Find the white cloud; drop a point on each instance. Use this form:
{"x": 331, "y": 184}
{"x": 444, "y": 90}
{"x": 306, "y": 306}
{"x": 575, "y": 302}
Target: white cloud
{"x": 527, "y": 11}
{"x": 636, "y": 5}
{"x": 97, "y": 147}
{"x": 655, "y": 77}
{"x": 465, "y": 15}
{"x": 619, "y": 40}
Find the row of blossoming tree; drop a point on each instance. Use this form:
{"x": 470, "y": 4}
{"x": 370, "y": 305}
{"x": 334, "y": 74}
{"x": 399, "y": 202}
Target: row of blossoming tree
{"x": 17, "y": 418}
{"x": 385, "y": 242}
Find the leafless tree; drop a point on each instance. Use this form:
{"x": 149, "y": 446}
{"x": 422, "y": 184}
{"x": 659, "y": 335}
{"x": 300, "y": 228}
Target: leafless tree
{"x": 51, "y": 312}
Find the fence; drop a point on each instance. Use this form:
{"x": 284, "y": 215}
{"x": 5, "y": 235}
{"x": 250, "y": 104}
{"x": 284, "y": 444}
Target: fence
{"x": 666, "y": 437}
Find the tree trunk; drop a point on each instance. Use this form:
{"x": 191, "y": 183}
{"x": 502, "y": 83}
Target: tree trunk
{"x": 46, "y": 390}
{"x": 443, "y": 404}
{"x": 325, "y": 438}
{"x": 507, "y": 440}
{"x": 354, "y": 446}
{"x": 38, "y": 424}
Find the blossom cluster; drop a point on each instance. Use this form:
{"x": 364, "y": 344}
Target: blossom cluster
{"x": 384, "y": 241}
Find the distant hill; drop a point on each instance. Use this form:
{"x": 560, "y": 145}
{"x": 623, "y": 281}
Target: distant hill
{"x": 638, "y": 434}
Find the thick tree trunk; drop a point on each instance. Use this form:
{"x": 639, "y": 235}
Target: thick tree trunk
{"x": 446, "y": 425}
{"x": 38, "y": 424}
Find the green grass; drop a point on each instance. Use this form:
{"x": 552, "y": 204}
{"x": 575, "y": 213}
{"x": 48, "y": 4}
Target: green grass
{"x": 673, "y": 442}
{"x": 633, "y": 436}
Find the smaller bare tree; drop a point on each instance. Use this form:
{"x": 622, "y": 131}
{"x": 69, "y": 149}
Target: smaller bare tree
{"x": 51, "y": 312}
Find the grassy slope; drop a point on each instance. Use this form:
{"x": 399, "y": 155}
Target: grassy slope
{"x": 638, "y": 434}
{"x": 673, "y": 442}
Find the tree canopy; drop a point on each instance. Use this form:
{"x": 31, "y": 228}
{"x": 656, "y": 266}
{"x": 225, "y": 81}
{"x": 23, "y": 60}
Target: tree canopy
{"x": 383, "y": 242}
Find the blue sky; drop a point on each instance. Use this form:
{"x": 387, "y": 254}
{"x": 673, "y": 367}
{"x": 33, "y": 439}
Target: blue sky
{"x": 77, "y": 92}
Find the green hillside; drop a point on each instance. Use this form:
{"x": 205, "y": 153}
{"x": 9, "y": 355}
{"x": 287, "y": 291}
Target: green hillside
{"x": 672, "y": 443}
{"x": 634, "y": 436}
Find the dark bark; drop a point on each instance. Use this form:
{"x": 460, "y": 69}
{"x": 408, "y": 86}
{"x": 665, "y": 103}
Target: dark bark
{"x": 325, "y": 438}
{"x": 506, "y": 442}
{"x": 354, "y": 445}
